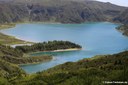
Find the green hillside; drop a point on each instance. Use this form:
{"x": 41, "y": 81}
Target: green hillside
{"x": 91, "y": 71}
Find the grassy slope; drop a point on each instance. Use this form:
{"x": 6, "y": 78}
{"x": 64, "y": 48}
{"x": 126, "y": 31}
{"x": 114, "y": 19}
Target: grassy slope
{"x": 85, "y": 72}
{"x": 5, "y": 39}
{"x": 5, "y": 26}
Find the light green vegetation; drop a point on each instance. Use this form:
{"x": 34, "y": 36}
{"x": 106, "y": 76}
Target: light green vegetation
{"x": 9, "y": 40}
{"x": 7, "y": 25}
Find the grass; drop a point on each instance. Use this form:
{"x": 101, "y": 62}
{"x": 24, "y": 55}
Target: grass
{"x": 7, "y": 25}
{"x": 10, "y": 40}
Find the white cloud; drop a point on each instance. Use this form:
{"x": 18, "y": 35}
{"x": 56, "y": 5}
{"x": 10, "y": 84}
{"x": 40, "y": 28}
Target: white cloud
{"x": 118, "y": 2}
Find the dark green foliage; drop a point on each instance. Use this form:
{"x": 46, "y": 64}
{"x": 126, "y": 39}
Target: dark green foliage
{"x": 27, "y": 60}
{"x": 48, "y": 46}
{"x": 15, "y": 56}
{"x": 4, "y": 81}
{"x": 9, "y": 51}
{"x": 85, "y": 72}
{"x": 9, "y": 70}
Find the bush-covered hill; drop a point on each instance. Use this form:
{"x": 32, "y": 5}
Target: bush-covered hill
{"x": 18, "y": 55}
{"x": 92, "y": 71}
{"x": 10, "y": 58}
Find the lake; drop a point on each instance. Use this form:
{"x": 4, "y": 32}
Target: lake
{"x": 97, "y": 38}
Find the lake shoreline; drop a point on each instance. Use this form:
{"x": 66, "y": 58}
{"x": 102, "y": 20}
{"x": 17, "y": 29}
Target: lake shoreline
{"x": 31, "y": 60}
{"x": 11, "y": 40}
{"x": 24, "y": 42}
{"x": 34, "y": 63}
{"x": 59, "y": 50}
{"x": 17, "y": 40}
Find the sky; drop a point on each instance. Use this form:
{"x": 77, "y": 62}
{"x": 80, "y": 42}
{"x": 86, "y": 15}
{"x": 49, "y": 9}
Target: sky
{"x": 117, "y": 2}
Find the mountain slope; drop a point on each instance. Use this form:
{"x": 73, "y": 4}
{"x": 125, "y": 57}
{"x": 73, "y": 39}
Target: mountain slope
{"x": 69, "y": 11}
{"x": 123, "y": 17}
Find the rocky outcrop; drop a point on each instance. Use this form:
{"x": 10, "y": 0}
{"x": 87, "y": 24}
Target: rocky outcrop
{"x": 123, "y": 29}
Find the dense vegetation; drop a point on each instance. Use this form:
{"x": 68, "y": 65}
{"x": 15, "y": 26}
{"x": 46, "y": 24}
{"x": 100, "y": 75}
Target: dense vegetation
{"x": 123, "y": 29}
{"x": 48, "y": 46}
{"x": 11, "y": 57}
{"x": 16, "y": 56}
{"x": 91, "y": 71}
{"x": 8, "y": 70}
{"x": 85, "y": 72}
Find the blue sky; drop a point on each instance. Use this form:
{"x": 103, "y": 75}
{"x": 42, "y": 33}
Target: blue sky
{"x": 118, "y": 2}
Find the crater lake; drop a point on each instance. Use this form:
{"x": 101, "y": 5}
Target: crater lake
{"x": 96, "y": 38}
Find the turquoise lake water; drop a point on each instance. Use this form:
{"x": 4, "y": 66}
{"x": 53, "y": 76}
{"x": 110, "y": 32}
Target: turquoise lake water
{"x": 96, "y": 39}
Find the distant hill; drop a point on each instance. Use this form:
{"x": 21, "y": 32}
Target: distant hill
{"x": 123, "y": 17}
{"x": 64, "y": 11}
